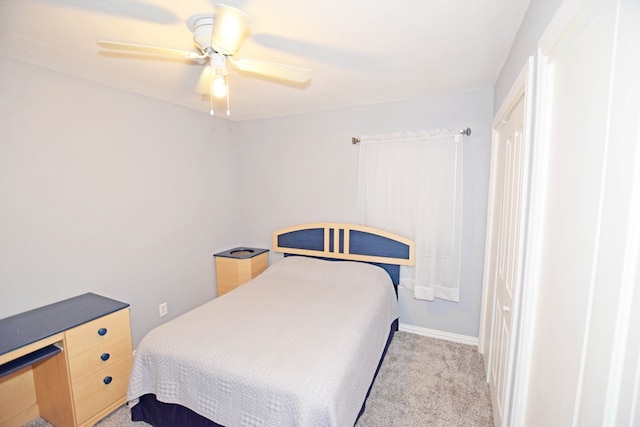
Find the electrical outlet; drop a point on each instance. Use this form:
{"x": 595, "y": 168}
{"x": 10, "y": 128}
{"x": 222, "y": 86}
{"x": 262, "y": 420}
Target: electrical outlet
{"x": 163, "y": 309}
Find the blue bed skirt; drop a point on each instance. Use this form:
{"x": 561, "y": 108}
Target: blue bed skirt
{"x": 160, "y": 414}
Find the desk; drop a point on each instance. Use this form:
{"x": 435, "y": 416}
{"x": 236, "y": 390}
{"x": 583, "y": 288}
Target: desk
{"x": 67, "y": 362}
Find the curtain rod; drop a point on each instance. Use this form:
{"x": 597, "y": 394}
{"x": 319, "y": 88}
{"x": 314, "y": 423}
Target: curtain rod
{"x": 467, "y": 132}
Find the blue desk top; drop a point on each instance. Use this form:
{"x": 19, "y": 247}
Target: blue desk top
{"x": 34, "y": 325}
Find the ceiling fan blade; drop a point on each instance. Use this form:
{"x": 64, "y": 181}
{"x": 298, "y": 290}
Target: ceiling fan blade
{"x": 150, "y": 49}
{"x": 229, "y": 28}
{"x": 273, "y": 69}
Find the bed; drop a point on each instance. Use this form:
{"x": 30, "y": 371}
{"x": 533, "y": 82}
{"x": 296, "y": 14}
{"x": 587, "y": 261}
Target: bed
{"x": 299, "y": 345}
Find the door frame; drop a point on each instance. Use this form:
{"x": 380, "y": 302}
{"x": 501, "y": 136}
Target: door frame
{"x": 522, "y": 87}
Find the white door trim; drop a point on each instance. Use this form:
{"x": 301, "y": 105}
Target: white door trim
{"x": 523, "y": 293}
{"x": 535, "y": 213}
{"x": 523, "y": 87}
{"x": 535, "y": 219}
{"x": 534, "y": 222}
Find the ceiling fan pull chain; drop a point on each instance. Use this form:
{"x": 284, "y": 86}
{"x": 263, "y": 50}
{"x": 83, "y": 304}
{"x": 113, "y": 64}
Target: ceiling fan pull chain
{"x": 227, "y": 82}
{"x": 211, "y": 102}
{"x": 210, "y": 92}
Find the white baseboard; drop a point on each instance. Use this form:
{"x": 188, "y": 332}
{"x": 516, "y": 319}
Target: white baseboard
{"x": 434, "y": 333}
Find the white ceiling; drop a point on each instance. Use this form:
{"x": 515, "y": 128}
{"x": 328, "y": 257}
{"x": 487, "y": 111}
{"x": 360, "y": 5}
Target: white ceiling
{"x": 360, "y": 51}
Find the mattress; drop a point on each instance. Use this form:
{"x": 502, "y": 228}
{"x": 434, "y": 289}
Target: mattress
{"x": 298, "y": 345}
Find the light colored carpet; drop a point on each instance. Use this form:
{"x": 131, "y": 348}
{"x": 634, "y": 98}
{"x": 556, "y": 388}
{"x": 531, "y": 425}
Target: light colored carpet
{"x": 429, "y": 382}
{"x": 422, "y": 382}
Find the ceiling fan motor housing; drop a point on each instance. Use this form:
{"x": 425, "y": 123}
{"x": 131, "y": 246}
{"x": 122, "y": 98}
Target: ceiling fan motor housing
{"x": 201, "y": 25}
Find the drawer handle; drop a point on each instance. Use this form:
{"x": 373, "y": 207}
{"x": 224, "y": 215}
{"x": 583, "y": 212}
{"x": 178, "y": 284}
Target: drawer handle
{"x": 105, "y": 356}
{"x": 107, "y": 380}
{"x": 102, "y": 332}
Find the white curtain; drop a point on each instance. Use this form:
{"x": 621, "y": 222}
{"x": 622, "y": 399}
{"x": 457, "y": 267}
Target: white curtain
{"x": 410, "y": 183}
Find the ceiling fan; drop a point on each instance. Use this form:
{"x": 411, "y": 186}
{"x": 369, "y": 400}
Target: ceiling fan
{"x": 218, "y": 37}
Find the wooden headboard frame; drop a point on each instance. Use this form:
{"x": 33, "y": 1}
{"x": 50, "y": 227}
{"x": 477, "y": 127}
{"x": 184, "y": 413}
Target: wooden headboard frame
{"x": 338, "y": 241}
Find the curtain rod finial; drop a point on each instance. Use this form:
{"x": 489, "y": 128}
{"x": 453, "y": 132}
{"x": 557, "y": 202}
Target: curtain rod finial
{"x": 355, "y": 140}
{"x": 466, "y": 131}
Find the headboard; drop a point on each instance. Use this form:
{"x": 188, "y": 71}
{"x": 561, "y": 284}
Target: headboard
{"x": 338, "y": 241}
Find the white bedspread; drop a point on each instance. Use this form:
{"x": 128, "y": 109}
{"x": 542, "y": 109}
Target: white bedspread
{"x": 296, "y": 346}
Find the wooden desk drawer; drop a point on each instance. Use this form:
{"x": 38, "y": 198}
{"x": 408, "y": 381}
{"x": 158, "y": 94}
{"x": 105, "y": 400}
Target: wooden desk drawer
{"x": 91, "y": 360}
{"x": 97, "y": 332}
{"x": 93, "y": 394}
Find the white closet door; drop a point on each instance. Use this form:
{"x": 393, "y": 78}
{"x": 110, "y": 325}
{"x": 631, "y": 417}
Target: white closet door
{"x": 507, "y": 260}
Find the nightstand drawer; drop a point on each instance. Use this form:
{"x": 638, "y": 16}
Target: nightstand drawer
{"x": 100, "y": 357}
{"x": 97, "y": 332}
{"x": 101, "y": 389}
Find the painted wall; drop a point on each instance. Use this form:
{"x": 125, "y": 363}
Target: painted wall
{"x": 107, "y": 192}
{"x": 125, "y": 196}
{"x": 303, "y": 168}
{"x": 525, "y": 44}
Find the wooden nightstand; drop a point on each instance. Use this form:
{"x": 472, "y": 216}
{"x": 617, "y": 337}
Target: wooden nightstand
{"x": 237, "y": 266}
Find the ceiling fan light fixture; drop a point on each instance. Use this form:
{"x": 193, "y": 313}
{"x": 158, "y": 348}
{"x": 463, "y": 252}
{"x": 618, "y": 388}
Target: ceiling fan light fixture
{"x": 229, "y": 28}
{"x": 219, "y": 87}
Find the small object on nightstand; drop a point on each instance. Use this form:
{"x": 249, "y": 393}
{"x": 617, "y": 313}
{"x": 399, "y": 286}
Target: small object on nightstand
{"x": 239, "y": 265}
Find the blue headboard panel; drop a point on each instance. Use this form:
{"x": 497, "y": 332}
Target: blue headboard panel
{"x": 311, "y": 239}
{"x": 338, "y": 241}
